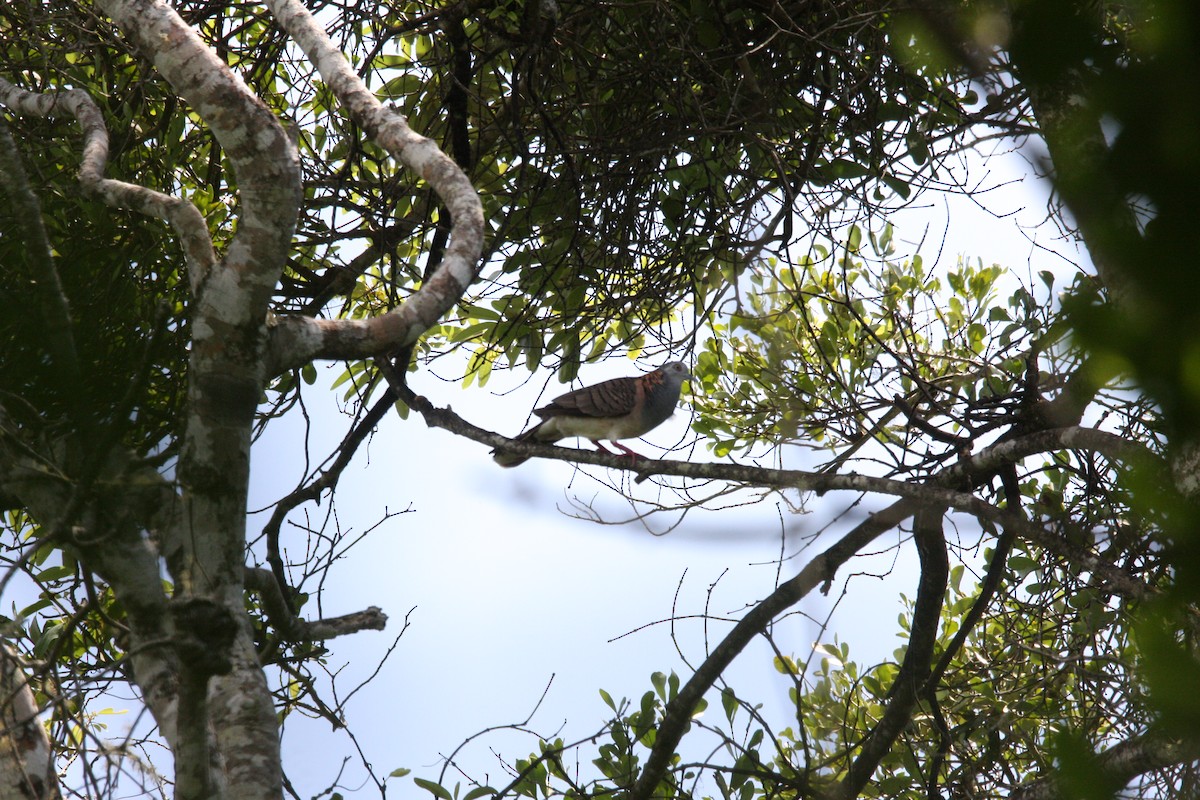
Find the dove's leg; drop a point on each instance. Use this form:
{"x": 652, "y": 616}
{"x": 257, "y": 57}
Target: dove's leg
{"x": 625, "y": 451}
{"x": 629, "y": 452}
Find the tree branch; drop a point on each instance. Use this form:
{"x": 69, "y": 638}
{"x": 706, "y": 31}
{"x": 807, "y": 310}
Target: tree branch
{"x": 183, "y": 217}
{"x": 328, "y": 479}
{"x": 987, "y": 589}
{"x": 263, "y": 157}
{"x": 296, "y": 340}
{"x": 986, "y": 462}
{"x": 137, "y": 499}
{"x": 27, "y": 768}
{"x": 1121, "y": 763}
{"x": 936, "y": 493}
{"x": 941, "y": 490}
{"x": 914, "y": 670}
{"x": 820, "y": 571}
{"x": 296, "y": 629}
{"x": 225, "y": 379}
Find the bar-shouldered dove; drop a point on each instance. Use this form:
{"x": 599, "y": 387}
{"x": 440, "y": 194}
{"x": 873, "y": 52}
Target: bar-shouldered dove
{"x": 621, "y": 408}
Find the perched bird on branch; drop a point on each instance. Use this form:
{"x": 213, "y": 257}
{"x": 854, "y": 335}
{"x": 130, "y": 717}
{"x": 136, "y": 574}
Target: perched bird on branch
{"x": 621, "y": 408}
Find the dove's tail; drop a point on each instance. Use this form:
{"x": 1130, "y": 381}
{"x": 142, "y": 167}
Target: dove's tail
{"x": 507, "y": 458}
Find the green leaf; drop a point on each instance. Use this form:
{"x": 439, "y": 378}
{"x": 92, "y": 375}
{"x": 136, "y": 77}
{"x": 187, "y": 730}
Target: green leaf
{"x": 660, "y": 684}
{"x": 1022, "y": 565}
{"x": 785, "y": 665}
{"x": 730, "y": 703}
{"x": 843, "y": 169}
{"x": 722, "y": 784}
{"x": 401, "y": 86}
{"x": 854, "y": 239}
{"x": 435, "y": 789}
{"x": 55, "y": 573}
{"x": 399, "y": 772}
{"x": 918, "y": 147}
{"x": 35, "y": 607}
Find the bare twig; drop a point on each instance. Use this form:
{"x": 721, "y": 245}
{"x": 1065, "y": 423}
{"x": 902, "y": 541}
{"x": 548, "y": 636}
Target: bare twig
{"x": 294, "y": 628}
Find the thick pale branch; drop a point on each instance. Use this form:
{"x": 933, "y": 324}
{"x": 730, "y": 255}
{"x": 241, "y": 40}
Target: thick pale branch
{"x": 264, "y": 158}
{"x": 27, "y": 768}
{"x": 226, "y": 376}
{"x": 183, "y": 217}
{"x": 229, "y": 314}
{"x": 242, "y": 713}
{"x": 140, "y": 499}
{"x": 298, "y": 340}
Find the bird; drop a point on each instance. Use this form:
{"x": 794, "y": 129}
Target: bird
{"x": 621, "y": 408}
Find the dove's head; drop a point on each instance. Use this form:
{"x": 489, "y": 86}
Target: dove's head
{"x": 676, "y": 372}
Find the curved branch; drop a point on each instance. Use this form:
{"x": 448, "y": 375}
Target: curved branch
{"x": 327, "y": 480}
{"x": 927, "y": 612}
{"x": 225, "y": 380}
{"x": 183, "y": 217}
{"x": 264, "y": 159}
{"x": 297, "y": 340}
{"x": 987, "y": 589}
